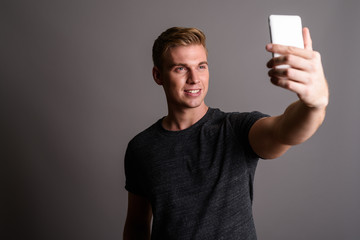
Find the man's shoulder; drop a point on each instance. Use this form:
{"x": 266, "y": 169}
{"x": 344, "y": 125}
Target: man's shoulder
{"x": 146, "y": 135}
{"x": 236, "y": 115}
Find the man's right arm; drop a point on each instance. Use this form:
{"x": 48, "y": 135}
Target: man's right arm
{"x": 138, "y": 220}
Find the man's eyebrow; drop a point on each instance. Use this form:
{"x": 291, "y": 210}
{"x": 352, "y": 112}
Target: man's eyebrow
{"x": 177, "y": 64}
{"x": 185, "y": 65}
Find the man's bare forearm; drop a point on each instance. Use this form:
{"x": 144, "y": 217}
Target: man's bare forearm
{"x": 298, "y": 123}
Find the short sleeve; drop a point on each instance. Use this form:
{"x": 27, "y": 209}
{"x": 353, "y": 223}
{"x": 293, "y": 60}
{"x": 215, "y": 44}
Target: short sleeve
{"x": 241, "y": 124}
{"x": 132, "y": 171}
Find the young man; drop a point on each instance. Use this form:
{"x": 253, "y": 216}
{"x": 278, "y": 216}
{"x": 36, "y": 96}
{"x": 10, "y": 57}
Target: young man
{"x": 192, "y": 171}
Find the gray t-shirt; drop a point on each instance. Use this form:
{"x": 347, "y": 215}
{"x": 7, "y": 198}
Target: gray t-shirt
{"x": 199, "y": 180}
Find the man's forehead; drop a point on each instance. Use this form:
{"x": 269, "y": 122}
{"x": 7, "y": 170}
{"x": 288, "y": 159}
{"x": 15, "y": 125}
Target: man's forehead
{"x": 186, "y": 54}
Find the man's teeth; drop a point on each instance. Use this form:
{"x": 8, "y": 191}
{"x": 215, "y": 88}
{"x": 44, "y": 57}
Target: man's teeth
{"x": 193, "y": 91}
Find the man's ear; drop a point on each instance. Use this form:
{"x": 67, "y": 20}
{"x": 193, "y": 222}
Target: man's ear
{"x": 157, "y": 75}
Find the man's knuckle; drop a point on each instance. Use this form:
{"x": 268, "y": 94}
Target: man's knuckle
{"x": 290, "y": 73}
{"x": 291, "y": 49}
{"x": 289, "y": 58}
{"x": 286, "y": 84}
{"x": 285, "y": 58}
{"x": 317, "y": 55}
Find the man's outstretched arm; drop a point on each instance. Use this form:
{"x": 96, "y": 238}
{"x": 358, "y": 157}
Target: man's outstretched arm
{"x": 271, "y": 137}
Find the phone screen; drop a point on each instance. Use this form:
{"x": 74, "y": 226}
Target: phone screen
{"x": 286, "y": 30}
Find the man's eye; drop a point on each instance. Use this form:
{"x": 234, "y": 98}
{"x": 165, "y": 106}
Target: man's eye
{"x": 202, "y": 67}
{"x": 180, "y": 69}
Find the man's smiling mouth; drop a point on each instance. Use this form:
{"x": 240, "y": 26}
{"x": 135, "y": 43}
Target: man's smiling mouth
{"x": 192, "y": 91}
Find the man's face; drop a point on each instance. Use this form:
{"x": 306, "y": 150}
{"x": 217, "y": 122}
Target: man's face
{"x": 184, "y": 77}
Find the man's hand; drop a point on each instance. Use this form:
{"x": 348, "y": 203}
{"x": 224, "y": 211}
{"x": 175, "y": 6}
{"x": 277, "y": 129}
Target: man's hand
{"x": 273, "y": 136}
{"x": 305, "y": 75}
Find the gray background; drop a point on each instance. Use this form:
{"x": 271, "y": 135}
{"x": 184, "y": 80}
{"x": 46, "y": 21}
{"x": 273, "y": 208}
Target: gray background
{"x": 76, "y": 85}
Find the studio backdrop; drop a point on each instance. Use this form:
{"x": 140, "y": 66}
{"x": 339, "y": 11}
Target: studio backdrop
{"x": 76, "y": 86}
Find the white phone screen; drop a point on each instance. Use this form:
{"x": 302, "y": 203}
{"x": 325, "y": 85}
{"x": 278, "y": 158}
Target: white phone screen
{"x": 286, "y": 30}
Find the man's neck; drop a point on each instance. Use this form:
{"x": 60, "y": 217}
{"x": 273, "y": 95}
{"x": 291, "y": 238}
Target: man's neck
{"x": 177, "y": 120}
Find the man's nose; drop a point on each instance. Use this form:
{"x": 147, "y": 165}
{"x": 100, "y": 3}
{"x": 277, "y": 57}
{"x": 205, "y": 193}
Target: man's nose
{"x": 193, "y": 77}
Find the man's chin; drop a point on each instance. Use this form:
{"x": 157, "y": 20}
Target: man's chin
{"x": 195, "y": 105}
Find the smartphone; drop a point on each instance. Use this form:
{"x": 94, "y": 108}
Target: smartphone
{"x": 286, "y": 30}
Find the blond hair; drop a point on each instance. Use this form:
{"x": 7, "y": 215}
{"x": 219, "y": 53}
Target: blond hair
{"x": 174, "y": 37}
